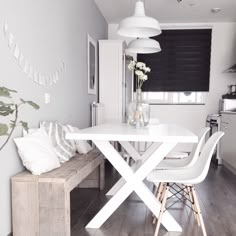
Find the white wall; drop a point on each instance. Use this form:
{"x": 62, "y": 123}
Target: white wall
{"x": 47, "y": 32}
{"x": 223, "y": 56}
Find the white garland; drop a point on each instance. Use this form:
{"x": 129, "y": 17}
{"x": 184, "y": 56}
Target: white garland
{"x": 39, "y": 78}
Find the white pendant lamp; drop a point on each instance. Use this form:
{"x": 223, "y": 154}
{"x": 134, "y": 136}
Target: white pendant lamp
{"x": 143, "y": 46}
{"x": 139, "y": 25}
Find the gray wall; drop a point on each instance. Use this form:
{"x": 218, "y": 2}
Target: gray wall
{"x": 47, "y": 32}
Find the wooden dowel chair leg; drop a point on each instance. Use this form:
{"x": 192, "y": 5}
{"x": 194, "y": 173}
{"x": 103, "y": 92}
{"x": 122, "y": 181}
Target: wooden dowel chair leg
{"x": 199, "y": 211}
{"x": 155, "y": 190}
{"x": 158, "y": 194}
{"x": 160, "y": 191}
{"x": 193, "y": 206}
{"x": 165, "y": 195}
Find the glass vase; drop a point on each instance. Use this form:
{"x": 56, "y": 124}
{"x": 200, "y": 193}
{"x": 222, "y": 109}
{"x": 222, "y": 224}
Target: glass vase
{"x": 138, "y": 111}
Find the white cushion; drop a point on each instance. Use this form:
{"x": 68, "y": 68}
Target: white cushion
{"x": 82, "y": 146}
{"x": 64, "y": 149}
{"x": 36, "y": 152}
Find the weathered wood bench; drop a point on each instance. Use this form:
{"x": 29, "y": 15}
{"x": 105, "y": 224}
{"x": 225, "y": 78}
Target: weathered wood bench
{"x": 41, "y": 204}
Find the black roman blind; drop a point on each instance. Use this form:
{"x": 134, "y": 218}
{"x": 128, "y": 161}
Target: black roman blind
{"x": 182, "y": 65}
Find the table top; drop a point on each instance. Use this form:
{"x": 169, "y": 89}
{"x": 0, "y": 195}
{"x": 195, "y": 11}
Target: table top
{"x": 124, "y": 132}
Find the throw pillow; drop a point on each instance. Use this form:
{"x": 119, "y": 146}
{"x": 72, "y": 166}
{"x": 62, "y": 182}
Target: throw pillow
{"x": 36, "y": 152}
{"x": 64, "y": 148}
{"x": 82, "y": 146}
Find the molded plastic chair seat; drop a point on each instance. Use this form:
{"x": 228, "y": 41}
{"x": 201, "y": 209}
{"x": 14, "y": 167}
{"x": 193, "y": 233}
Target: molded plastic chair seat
{"x": 187, "y": 176}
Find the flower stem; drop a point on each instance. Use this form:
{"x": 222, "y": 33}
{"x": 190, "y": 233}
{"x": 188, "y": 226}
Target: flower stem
{"x": 13, "y": 127}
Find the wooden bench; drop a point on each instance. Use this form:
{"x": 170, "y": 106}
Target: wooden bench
{"x": 41, "y": 204}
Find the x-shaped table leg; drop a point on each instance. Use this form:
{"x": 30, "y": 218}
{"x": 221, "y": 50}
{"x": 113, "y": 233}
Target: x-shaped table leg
{"x": 134, "y": 182}
{"x": 135, "y": 155}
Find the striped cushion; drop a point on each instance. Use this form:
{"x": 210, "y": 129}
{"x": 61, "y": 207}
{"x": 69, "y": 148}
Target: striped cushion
{"x": 64, "y": 148}
{"x": 81, "y": 146}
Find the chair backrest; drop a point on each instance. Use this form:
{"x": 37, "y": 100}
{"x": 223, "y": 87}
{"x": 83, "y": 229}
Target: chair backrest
{"x": 197, "y": 147}
{"x": 202, "y": 164}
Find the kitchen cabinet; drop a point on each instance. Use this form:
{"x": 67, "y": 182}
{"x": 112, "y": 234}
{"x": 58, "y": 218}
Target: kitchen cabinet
{"x": 228, "y": 141}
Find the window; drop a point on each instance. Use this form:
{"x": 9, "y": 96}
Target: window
{"x": 183, "y": 66}
{"x": 175, "y": 97}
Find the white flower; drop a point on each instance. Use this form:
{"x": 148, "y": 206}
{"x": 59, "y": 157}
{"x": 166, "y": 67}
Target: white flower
{"x": 147, "y": 69}
{"x": 143, "y": 77}
{"x": 140, "y": 65}
{"x": 131, "y": 65}
{"x": 139, "y": 73}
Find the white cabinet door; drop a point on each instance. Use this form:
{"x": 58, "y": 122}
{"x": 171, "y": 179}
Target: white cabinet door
{"x": 111, "y": 78}
{"x": 228, "y": 141}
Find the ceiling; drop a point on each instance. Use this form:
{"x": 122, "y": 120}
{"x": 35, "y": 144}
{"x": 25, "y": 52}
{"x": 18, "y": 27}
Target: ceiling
{"x": 170, "y": 11}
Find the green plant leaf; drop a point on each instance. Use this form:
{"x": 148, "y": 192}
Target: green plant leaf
{"x": 34, "y": 105}
{"x": 6, "y": 104}
{"x": 6, "y": 110}
{"x": 3, "y": 129}
{"x": 5, "y": 92}
{"x": 24, "y": 125}
{"x": 12, "y": 124}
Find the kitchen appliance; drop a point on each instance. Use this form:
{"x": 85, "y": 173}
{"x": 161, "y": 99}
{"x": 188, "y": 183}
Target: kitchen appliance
{"x": 227, "y": 144}
{"x": 232, "y": 89}
{"x": 231, "y": 93}
{"x": 213, "y": 121}
{"x": 227, "y": 105}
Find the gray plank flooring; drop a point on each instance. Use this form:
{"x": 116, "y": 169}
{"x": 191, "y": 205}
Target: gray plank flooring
{"x": 217, "y": 196}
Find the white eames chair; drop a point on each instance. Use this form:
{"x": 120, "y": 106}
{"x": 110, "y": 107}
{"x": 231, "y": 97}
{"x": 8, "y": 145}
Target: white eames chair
{"x": 189, "y": 160}
{"x": 188, "y": 177}
{"x": 183, "y": 162}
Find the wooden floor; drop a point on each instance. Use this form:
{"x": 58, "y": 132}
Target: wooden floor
{"x": 217, "y": 196}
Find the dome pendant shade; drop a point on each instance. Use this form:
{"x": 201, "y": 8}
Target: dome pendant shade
{"x": 143, "y": 46}
{"x": 139, "y": 25}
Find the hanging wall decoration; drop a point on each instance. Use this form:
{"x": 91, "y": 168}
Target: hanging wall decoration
{"x": 33, "y": 74}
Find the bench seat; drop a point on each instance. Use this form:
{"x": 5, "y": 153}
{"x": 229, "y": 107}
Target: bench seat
{"x": 41, "y": 204}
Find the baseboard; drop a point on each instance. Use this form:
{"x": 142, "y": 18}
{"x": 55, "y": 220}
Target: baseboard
{"x": 229, "y": 167}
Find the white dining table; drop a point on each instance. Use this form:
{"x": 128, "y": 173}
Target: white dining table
{"x": 163, "y": 139}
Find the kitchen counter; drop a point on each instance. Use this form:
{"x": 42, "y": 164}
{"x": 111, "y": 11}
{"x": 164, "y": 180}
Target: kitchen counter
{"x": 228, "y": 112}
{"x": 227, "y": 143}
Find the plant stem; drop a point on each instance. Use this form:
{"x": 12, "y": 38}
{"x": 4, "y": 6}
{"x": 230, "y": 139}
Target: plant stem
{"x": 13, "y": 127}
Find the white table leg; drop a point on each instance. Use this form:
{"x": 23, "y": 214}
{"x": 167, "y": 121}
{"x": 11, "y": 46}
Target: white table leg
{"x": 110, "y": 207}
{"x": 129, "y": 148}
{"x": 134, "y": 183}
{"x": 120, "y": 182}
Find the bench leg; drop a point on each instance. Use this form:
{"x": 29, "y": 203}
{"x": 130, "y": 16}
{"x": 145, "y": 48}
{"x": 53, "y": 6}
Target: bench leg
{"x": 54, "y": 209}
{"x": 25, "y": 213}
